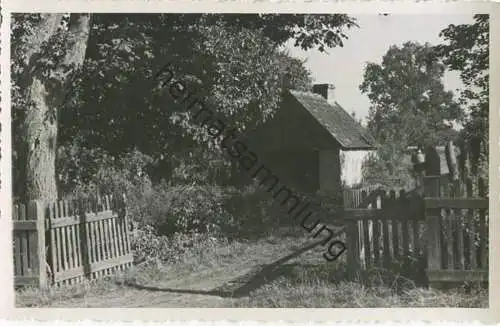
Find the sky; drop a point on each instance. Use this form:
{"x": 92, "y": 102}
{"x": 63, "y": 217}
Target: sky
{"x": 344, "y": 66}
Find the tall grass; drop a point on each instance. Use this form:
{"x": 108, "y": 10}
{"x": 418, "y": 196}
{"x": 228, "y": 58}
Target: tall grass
{"x": 305, "y": 281}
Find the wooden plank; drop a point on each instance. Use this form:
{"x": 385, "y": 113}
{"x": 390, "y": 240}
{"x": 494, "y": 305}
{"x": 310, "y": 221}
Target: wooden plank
{"x": 93, "y": 241}
{"x": 99, "y": 239}
{"x": 16, "y": 239}
{"x": 26, "y": 281}
{"x": 431, "y": 189}
{"x": 376, "y": 243}
{"x": 125, "y": 225}
{"x": 459, "y": 236}
{"x": 36, "y": 245}
{"x": 386, "y": 244}
{"x": 71, "y": 246}
{"x": 382, "y": 234}
{"x": 58, "y": 236}
{"x": 462, "y": 203}
{"x": 121, "y": 229}
{"x": 52, "y": 240}
{"x": 121, "y": 244}
{"x": 105, "y": 244}
{"x": 416, "y": 238}
{"x": 109, "y": 239}
{"x": 457, "y": 275}
{"x": 483, "y": 230}
{"x": 72, "y": 233}
{"x": 40, "y": 268}
{"x": 22, "y": 212}
{"x": 352, "y": 251}
{"x": 106, "y": 203}
{"x": 458, "y": 229}
{"x": 394, "y": 227}
{"x": 387, "y": 213}
{"x": 69, "y": 236}
{"x": 64, "y": 237}
{"x": 405, "y": 227}
{"x": 86, "y": 240}
{"x": 112, "y": 230}
{"x": 59, "y": 256}
{"x": 78, "y": 246}
{"x": 90, "y": 243}
{"x": 29, "y": 225}
{"x": 66, "y": 221}
{"x": 24, "y": 242}
{"x": 470, "y": 261}
{"x": 30, "y": 264}
{"x": 118, "y": 240}
{"x": 94, "y": 267}
{"x": 106, "y": 236}
{"x": 448, "y": 239}
{"x": 366, "y": 244}
{"x": 82, "y": 238}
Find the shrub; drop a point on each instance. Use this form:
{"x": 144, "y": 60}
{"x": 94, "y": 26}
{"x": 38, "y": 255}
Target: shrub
{"x": 148, "y": 246}
{"x": 253, "y": 212}
{"x": 169, "y": 209}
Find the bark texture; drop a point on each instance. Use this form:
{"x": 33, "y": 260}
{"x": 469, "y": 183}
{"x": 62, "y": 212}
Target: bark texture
{"x": 46, "y": 95}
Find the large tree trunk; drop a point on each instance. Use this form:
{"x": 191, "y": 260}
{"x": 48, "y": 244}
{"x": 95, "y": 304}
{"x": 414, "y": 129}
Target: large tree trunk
{"x": 46, "y": 97}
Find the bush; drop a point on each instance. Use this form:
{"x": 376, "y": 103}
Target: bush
{"x": 147, "y": 245}
{"x": 253, "y": 210}
{"x": 163, "y": 212}
{"x": 187, "y": 208}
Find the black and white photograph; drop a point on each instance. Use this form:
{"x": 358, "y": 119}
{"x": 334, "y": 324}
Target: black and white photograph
{"x": 250, "y": 160}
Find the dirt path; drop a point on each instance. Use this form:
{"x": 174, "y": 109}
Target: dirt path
{"x": 217, "y": 286}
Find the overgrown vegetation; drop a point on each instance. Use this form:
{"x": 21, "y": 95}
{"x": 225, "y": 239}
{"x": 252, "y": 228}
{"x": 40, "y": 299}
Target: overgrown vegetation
{"x": 410, "y": 107}
{"x": 118, "y": 132}
{"x": 305, "y": 282}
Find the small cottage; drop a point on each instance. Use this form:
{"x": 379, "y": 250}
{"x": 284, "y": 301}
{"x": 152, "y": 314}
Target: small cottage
{"x": 303, "y": 141}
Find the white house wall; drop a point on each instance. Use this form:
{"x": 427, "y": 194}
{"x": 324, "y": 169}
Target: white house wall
{"x": 351, "y": 172}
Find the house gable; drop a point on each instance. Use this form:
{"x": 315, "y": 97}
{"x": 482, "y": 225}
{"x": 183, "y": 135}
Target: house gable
{"x": 336, "y": 121}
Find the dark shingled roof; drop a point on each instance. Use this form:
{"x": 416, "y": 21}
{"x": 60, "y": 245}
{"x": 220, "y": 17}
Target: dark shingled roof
{"x": 347, "y": 131}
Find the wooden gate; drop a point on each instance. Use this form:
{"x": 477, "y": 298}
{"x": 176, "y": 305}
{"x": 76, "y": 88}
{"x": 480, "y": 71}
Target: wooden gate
{"x": 68, "y": 241}
{"x": 388, "y": 231}
{"x": 444, "y": 226}
{"x": 457, "y": 229}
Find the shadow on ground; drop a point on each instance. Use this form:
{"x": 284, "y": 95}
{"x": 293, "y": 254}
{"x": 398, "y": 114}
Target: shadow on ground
{"x": 243, "y": 285}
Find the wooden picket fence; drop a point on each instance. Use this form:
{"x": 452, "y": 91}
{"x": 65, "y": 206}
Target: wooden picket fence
{"x": 68, "y": 241}
{"x": 444, "y": 229}
{"x": 353, "y": 198}
{"x": 457, "y": 221}
{"x": 387, "y": 229}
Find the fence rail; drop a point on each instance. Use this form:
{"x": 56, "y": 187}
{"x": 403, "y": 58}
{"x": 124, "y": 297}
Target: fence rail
{"x": 458, "y": 227}
{"x": 67, "y": 241}
{"x": 446, "y": 228}
{"x": 390, "y": 228}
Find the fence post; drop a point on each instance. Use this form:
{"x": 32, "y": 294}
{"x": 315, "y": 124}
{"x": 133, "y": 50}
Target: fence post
{"x": 353, "y": 259}
{"x": 38, "y": 209}
{"x": 431, "y": 189}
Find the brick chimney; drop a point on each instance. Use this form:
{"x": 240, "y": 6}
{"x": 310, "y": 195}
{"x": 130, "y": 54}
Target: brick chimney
{"x": 325, "y": 90}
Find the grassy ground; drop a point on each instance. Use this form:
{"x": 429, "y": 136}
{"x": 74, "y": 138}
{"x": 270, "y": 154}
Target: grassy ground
{"x": 241, "y": 274}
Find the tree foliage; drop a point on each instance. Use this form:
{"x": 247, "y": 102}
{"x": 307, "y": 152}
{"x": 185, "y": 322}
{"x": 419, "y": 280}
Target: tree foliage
{"x": 234, "y": 61}
{"x": 409, "y": 106}
{"x": 466, "y": 50}
{"x": 112, "y": 105}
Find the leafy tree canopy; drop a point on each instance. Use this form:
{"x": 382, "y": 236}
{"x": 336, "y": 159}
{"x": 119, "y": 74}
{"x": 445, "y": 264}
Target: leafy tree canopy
{"x": 466, "y": 50}
{"x": 234, "y": 60}
{"x": 409, "y": 106}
